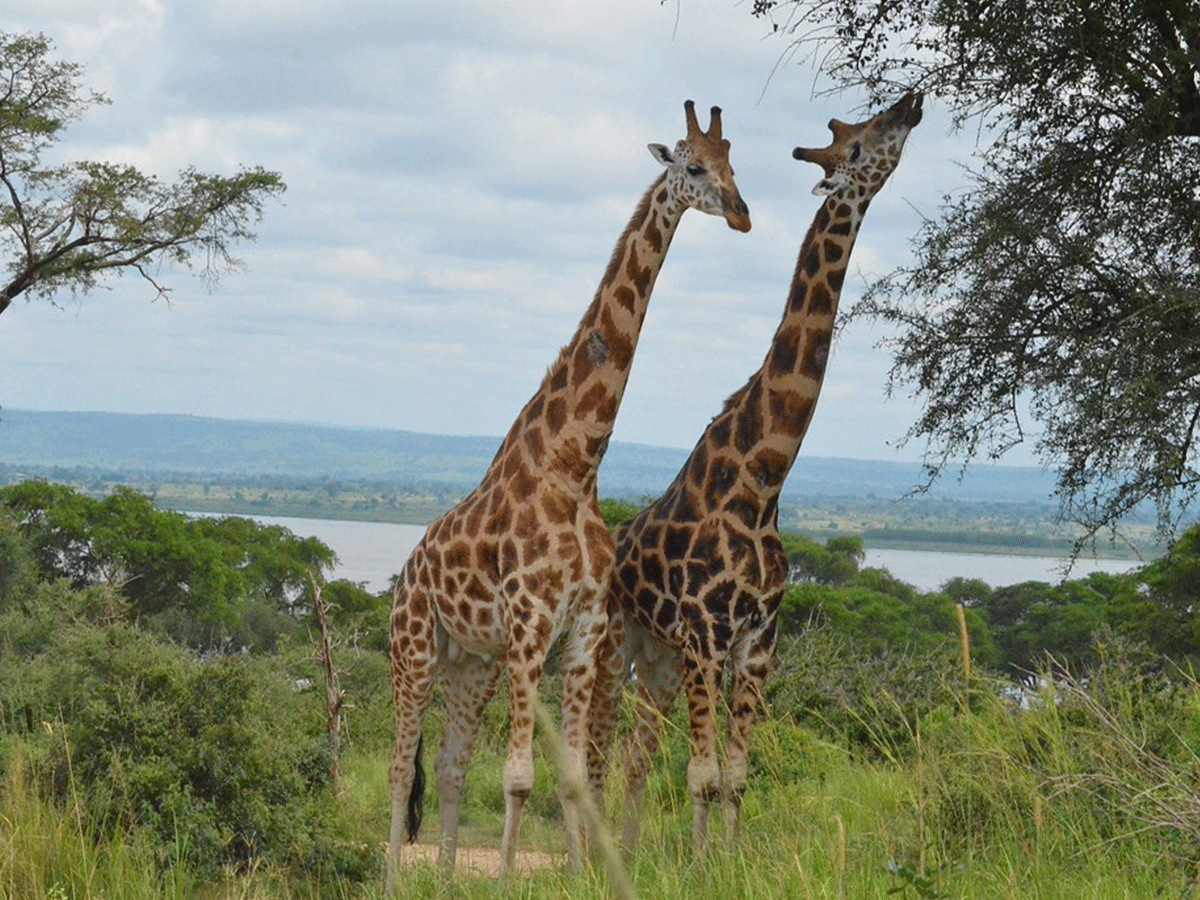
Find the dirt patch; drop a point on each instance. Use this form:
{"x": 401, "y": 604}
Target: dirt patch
{"x": 486, "y": 860}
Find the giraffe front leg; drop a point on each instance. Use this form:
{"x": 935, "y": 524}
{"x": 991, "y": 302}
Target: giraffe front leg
{"x": 702, "y": 681}
{"x": 579, "y": 682}
{"x": 526, "y": 657}
{"x": 750, "y": 671}
{"x": 468, "y": 682}
{"x": 518, "y": 781}
{"x": 611, "y": 671}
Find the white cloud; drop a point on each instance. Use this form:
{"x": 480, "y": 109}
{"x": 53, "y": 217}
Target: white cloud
{"x": 458, "y": 174}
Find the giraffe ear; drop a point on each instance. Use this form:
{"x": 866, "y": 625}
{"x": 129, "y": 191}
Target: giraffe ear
{"x": 661, "y": 153}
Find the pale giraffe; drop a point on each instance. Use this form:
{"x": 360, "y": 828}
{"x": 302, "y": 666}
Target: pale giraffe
{"x": 700, "y": 572}
{"x": 526, "y": 555}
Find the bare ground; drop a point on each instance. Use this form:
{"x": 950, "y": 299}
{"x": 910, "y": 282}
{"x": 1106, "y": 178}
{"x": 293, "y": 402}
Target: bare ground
{"x": 485, "y": 861}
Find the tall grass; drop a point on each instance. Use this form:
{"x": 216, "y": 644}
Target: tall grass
{"x": 1077, "y": 791}
{"x": 49, "y": 851}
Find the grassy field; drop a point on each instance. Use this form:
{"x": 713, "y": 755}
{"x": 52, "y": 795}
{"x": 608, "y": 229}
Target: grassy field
{"x": 1071, "y": 798}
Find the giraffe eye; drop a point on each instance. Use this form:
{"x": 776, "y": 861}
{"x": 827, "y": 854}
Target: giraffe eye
{"x": 695, "y": 170}
{"x": 856, "y": 153}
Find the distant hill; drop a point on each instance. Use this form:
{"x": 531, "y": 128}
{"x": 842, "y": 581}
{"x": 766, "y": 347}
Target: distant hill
{"x": 174, "y": 443}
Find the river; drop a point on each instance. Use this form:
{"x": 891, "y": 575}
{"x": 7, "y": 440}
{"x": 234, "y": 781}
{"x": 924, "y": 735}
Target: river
{"x": 371, "y": 552}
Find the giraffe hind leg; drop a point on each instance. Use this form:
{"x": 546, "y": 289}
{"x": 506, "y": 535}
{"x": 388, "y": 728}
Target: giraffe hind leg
{"x": 658, "y": 677}
{"x": 413, "y": 661}
{"x": 468, "y": 682}
{"x": 403, "y": 778}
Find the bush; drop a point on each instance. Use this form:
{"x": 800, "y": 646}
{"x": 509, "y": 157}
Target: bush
{"x": 223, "y": 761}
{"x": 17, "y": 569}
{"x": 868, "y": 704}
{"x": 218, "y": 584}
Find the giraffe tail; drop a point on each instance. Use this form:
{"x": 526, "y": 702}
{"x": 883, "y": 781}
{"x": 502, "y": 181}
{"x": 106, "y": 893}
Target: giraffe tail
{"x": 416, "y": 796}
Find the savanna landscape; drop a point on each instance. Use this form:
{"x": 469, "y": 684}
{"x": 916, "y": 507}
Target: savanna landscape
{"x": 166, "y": 730}
{"x": 193, "y": 708}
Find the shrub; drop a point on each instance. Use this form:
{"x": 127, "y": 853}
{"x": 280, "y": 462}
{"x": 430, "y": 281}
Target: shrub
{"x": 868, "y": 704}
{"x": 221, "y": 760}
{"x": 17, "y": 569}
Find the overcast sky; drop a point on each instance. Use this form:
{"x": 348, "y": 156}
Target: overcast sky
{"x": 458, "y": 173}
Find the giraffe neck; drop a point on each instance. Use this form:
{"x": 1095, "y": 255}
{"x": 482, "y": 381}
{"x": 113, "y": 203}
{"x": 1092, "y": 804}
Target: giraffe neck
{"x": 566, "y": 425}
{"x": 760, "y": 430}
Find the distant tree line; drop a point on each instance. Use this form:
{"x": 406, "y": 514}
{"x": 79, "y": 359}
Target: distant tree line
{"x": 1014, "y": 628}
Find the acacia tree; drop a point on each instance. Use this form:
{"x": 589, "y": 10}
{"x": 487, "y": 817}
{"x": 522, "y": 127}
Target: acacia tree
{"x": 63, "y": 228}
{"x": 1057, "y": 299}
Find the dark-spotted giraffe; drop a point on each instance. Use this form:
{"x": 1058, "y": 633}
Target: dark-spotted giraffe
{"x": 701, "y": 571}
{"x": 525, "y": 555}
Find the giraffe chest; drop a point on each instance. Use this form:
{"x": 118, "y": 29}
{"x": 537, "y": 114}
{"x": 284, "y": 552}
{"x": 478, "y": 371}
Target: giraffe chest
{"x": 488, "y": 588}
{"x": 679, "y": 581}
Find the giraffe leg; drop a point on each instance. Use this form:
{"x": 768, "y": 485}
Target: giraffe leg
{"x": 413, "y": 659}
{"x": 468, "y": 682}
{"x": 751, "y": 664}
{"x": 588, "y": 631}
{"x": 611, "y": 671}
{"x": 702, "y": 682}
{"x": 658, "y": 677}
{"x": 526, "y": 657}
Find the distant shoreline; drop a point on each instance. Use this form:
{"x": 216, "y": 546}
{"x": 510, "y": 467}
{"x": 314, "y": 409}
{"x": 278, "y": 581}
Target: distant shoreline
{"x": 246, "y": 468}
{"x": 389, "y": 516}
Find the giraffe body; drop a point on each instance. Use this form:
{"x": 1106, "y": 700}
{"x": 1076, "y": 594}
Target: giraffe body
{"x": 700, "y": 573}
{"x": 525, "y": 556}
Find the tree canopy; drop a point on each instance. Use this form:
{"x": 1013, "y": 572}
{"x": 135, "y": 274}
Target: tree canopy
{"x": 63, "y": 228}
{"x": 208, "y": 582}
{"x": 1055, "y": 300}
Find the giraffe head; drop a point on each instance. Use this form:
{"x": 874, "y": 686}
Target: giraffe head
{"x": 864, "y": 154}
{"x": 698, "y": 171}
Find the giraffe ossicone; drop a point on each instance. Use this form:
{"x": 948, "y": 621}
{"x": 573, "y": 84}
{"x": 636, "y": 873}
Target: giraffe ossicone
{"x": 700, "y": 572}
{"x": 526, "y": 556}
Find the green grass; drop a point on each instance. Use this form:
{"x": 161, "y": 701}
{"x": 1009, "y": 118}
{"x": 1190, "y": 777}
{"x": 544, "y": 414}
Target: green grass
{"x": 46, "y": 851}
{"x": 981, "y": 802}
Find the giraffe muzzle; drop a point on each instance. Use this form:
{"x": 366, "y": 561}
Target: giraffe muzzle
{"x": 907, "y": 109}
{"x": 737, "y": 213}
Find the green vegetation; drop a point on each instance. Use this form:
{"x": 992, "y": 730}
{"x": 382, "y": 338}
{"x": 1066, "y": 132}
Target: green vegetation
{"x": 172, "y": 743}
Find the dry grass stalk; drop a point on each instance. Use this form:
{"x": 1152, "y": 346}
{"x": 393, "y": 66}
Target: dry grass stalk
{"x": 603, "y": 847}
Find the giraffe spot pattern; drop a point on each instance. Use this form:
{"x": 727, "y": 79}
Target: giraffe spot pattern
{"x": 816, "y": 353}
{"x": 597, "y": 349}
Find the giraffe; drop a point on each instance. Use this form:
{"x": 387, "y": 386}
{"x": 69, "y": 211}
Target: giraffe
{"x": 526, "y": 555}
{"x": 700, "y": 572}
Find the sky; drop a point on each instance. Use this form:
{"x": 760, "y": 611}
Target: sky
{"x": 458, "y": 173}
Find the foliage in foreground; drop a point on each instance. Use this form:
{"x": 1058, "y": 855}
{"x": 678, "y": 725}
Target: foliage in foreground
{"x": 134, "y": 765}
{"x": 1059, "y": 794}
{"x": 219, "y": 763}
